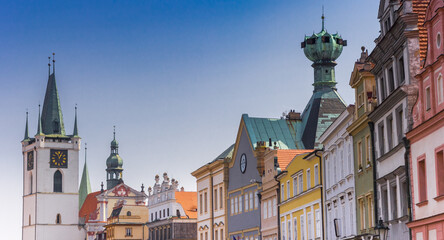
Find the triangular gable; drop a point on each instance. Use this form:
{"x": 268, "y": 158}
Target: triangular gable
{"x": 122, "y": 190}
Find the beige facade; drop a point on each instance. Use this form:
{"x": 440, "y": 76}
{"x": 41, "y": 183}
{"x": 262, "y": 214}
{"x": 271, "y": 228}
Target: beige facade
{"x": 211, "y": 197}
{"x": 127, "y": 222}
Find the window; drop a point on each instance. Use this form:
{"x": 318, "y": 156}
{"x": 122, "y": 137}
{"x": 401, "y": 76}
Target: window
{"x": 256, "y": 200}
{"x": 362, "y": 213}
{"x": 128, "y": 232}
{"x": 282, "y": 192}
{"x": 201, "y": 236}
{"x": 318, "y": 223}
{"x": 215, "y": 235}
{"x": 58, "y": 181}
{"x": 301, "y": 183}
{"x": 246, "y": 202}
{"x": 289, "y": 230}
{"x": 215, "y": 198}
{"x": 240, "y": 204}
{"x": 399, "y": 123}
{"x": 232, "y": 206}
{"x": 30, "y": 183}
{"x": 360, "y": 155}
{"x": 58, "y": 219}
{"x": 382, "y": 88}
{"x": 381, "y": 139}
{"x": 128, "y": 214}
{"x": 221, "y": 234}
{"x": 269, "y": 209}
{"x": 427, "y": 100}
{"x": 440, "y": 172}
{"x": 310, "y": 225}
{"x": 236, "y": 205}
{"x": 384, "y": 207}
{"x": 391, "y": 80}
{"x": 422, "y": 180}
{"x": 206, "y": 235}
{"x": 251, "y": 201}
{"x": 295, "y": 186}
{"x": 288, "y": 189}
{"x": 438, "y": 40}
{"x": 439, "y": 89}
{"x": 168, "y": 212}
{"x": 265, "y": 210}
{"x": 308, "y": 179}
{"x": 370, "y": 210}
{"x": 274, "y": 207}
{"x": 368, "y": 149}
{"x": 200, "y": 203}
{"x": 283, "y": 231}
{"x": 394, "y": 201}
{"x": 206, "y": 201}
{"x": 221, "y": 195}
{"x": 390, "y": 132}
{"x": 401, "y": 70}
{"x": 302, "y": 219}
{"x": 295, "y": 225}
{"x": 316, "y": 175}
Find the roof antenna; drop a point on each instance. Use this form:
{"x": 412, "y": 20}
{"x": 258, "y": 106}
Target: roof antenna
{"x": 322, "y": 17}
{"x": 53, "y": 63}
{"x": 49, "y": 66}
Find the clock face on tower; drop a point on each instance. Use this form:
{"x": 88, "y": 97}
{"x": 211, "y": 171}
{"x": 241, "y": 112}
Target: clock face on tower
{"x": 58, "y": 159}
{"x": 30, "y": 163}
{"x": 243, "y": 163}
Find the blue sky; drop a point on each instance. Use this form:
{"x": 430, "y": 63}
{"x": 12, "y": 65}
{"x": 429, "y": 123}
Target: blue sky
{"x": 173, "y": 76}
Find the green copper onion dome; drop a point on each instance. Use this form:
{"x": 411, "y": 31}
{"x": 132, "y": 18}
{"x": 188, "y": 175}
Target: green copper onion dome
{"x": 323, "y": 46}
{"x": 114, "y": 161}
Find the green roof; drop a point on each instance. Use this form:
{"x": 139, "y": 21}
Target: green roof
{"x": 282, "y": 131}
{"x": 85, "y": 185}
{"x": 52, "y": 118}
{"x": 228, "y": 153}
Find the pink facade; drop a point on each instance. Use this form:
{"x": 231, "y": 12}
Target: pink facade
{"x": 426, "y": 137}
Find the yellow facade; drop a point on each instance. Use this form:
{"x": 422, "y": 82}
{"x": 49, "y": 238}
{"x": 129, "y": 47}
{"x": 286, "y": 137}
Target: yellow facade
{"x": 127, "y": 223}
{"x": 301, "y": 198}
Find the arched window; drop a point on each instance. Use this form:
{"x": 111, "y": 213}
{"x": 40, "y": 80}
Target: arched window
{"x": 58, "y": 219}
{"x": 177, "y": 212}
{"x": 128, "y": 213}
{"x": 58, "y": 181}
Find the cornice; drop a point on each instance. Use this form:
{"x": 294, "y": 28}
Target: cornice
{"x": 388, "y": 104}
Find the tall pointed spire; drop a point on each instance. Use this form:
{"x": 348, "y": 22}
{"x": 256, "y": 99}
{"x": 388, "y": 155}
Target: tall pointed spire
{"x": 75, "y": 132}
{"x": 52, "y": 118}
{"x": 85, "y": 184}
{"x": 322, "y": 17}
{"x": 26, "y": 138}
{"x": 39, "y": 125}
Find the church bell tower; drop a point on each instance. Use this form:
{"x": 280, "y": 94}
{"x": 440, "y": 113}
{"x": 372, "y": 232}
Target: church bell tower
{"x": 51, "y": 174}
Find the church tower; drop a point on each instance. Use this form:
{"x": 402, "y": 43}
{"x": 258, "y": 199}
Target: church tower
{"x": 51, "y": 174}
{"x": 325, "y": 104}
{"x": 114, "y": 165}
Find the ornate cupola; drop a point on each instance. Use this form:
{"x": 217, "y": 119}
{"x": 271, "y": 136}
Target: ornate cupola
{"x": 323, "y": 49}
{"x": 325, "y": 104}
{"x": 114, "y": 165}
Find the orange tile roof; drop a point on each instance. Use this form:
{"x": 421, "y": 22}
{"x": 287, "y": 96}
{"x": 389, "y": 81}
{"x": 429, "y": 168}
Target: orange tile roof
{"x": 285, "y": 156}
{"x": 420, "y": 7}
{"x": 188, "y": 200}
{"x": 89, "y": 206}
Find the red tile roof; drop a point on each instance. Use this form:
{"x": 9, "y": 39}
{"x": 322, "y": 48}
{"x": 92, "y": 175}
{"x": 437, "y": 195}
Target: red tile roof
{"x": 420, "y": 7}
{"x": 285, "y": 156}
{"x": 188, "y": 200}
{"x": 89, "y": 206}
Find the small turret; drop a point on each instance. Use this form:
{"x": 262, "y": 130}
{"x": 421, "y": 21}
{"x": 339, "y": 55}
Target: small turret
{"x": 114, "y": 165}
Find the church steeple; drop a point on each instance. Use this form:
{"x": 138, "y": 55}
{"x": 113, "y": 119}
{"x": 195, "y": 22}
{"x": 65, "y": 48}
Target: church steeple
{"x": 85, "y": 184}
{"x": 75, "y": 132}
{"x": 114, "y": 164}
{"x": 52, "y": 118}
{"x": 26, "y": 138}
{"x": 39, "y": 124}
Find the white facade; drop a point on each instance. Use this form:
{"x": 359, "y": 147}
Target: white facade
{"x": 161, "y": 200}
{"x": 48, "y": 214}
{"x": 339, "y": 189}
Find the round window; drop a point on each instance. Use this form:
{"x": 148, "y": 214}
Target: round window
{"x": 438, "y": 40}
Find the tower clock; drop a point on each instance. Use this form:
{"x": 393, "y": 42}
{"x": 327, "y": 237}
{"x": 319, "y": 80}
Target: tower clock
{"x": 58, "y": 158}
